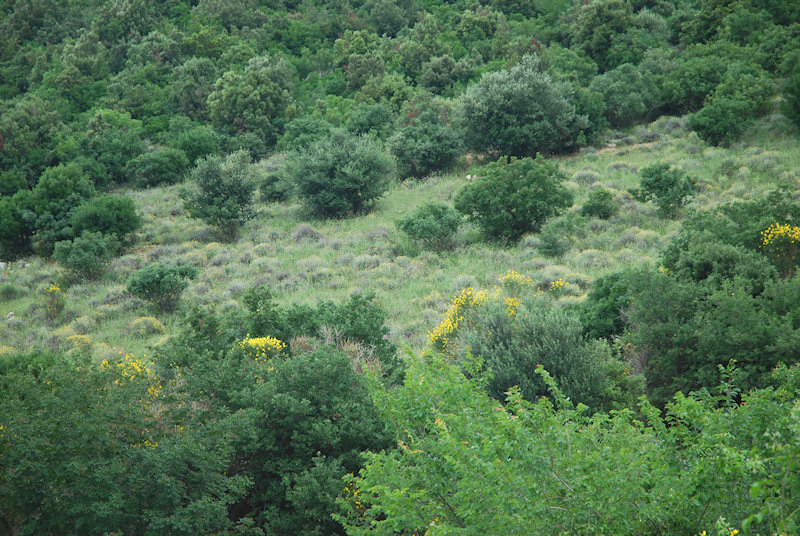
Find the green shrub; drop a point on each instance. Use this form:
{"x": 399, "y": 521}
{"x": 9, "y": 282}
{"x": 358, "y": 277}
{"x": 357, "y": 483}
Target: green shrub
{"x": 107, "y": 214}
{"x": 87, "y": 255}
{"x": 220, "y": 192}
{"x": 513, "y": 196}
{"x": 341, "y": 174}
{"x": 10, "y": 291}
{"x": 274, "y": 184}
{"x": 164, "y": 166}
{"x": 161, "y": 284}
{"x": 665, "y": 185}
{"x": 432, "y": 225}
{"x": 599, "y": 204}
{"x": 197, "y": 143}
{"x": 520, "y": 111}
{"x": 424, "y": 145}
{"x": 539, "y": 332}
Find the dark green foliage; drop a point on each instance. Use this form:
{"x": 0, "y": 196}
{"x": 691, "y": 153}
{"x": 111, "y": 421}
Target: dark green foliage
{"x": 340, "y": 175}
{"x": 197, "y": 143}
{"x": 541, "y": 333}
{"x": 599, "y": 204}
{"x": 596, "y": 24}
{"x": 604, "y": 310}
{"x": 425, "y": 145}
{"x": 60, "y": 190}
{"x": 432, "y": 225}
{"x": 11, "y": 182}
{"x": 667, "y": 186}
{"x": 694, "y": 77}
{"x": 114, "y": 139}
{"x": 305, "y": 420}
{"x": 791, "y": 99}
{"x": 161, "y": 284}
{"x": 107, "y": 214}
{"x": 16, "y": 225}
{"x": 220, "y": 192}
{"x": 86, "y": 256}
{"x": 157, "y": 168}
{"x": 302, "y": 132}
{"x": 627, "y": 95}
{"x": 70, "y": 427}
{"x": 275, "y": 185}
{"x": 513, "y": 196}
{"x": 192, "y": 83}
{"x": 254, "y": 101}
{"x": 375, "y": 119}
{"x": 520, "y": 111}
{"x": 741, "y": 97}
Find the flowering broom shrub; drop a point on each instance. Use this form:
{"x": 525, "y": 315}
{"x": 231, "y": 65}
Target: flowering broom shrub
{"x": 781, "y": 242}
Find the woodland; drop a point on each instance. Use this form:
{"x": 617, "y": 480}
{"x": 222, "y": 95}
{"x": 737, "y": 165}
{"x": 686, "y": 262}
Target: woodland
{"x": 402, "y": 268}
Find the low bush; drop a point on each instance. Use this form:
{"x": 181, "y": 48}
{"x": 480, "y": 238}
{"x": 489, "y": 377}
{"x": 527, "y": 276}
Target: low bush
{"x": 107, "y": 214}
{"x": 513, "y": 196}
{"x": 161, "y": 284}
{"x": 599, "y": 204}
{"x": 668, "y": 187}
{"x": 432, "y": 225}
{"x": 164, "y": 166}
{"x": 86, "y": 256}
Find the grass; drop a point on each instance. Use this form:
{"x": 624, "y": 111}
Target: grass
{"x": 306, "y": 260}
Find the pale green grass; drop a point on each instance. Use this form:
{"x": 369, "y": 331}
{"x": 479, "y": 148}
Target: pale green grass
{"x": 306, "y": 260}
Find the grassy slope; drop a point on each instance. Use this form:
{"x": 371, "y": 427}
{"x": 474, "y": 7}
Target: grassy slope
{"x": 306, "y": 261}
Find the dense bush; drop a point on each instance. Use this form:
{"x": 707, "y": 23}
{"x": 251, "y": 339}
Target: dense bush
{"x": 599, "y": 204}
{"x": 627, "y": 95}
{"x": 424, "y": 145}
{"x": 708, "y": 464}
{"x": 432, "y": 225}
{"x": 156, "y": 168}
{"x": 107, "y": 214}
{"x": 520, "y": 111}
{"x": 220, "y": 192}
{"x": 665, "y": 185}
{"x": 161, "y": 284}
{"x": 515, "y": 336}
{"x": 341, "y": 174}
{"x": 513, "y": 196}
{"x": 87, "y": 255}
{"x": 197, "y": 142}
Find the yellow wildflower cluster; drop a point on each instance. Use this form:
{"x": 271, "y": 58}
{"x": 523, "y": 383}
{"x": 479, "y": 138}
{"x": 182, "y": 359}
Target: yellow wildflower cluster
{"x": 54, "y": 298}
{"x": 467, "y": 299}
{"x": 777, "y": 233}
{"x": 782, "y": 243}
{"x": 353, "y": 495}
{"x": 514, "y": 282}
{"x": 558, "y": 284}
{"x": 131, "y": 368}
{"x": 262, "y": 349}
{"x": 512, "y": 304}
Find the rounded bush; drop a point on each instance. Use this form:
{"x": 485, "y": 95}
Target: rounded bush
{"x": 512, "y": 197}
{"x": 600, "y": 204}
{"x": 87, "y": 255}
{"x": 107, "y": 214}
{"x": 161, "y": 284}
{"x": 432, "y": 225}
{"x": 166, "y": 166}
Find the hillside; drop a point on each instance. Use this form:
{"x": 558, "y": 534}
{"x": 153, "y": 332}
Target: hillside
{"x": 399, "y": 268}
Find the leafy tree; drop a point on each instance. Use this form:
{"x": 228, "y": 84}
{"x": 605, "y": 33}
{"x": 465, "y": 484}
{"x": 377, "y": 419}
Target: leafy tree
{"x": 520, "y": 112}
{"x": 594, "y": 26}
{"x": 87, "y": 255}
{"x": 425, "y": 145}
{"x": 256, "y": 100}
{"x": 114, "y": 139}
{"x": 599, "y": 204}
{"x": 628, "y": 97}
{"x": 667, "y": 186}
{"x": 161, "y": 284}
{"x": 192, "y": 83}
{"x": 341, "y": 174}
{"x": 432, "y": 225}
{"x": 513, "y": 197}
{"x": 156, "y": 168}
{"x": 107, "y": 214}
{"x": 374, "y": 119}
{"x": 220, "y": 192}
{"x": 197, "y": 142}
